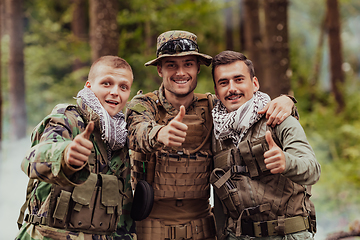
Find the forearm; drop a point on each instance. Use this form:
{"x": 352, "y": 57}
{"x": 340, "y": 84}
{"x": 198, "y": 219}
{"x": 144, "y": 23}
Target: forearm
{"x": 45, "y": 160}
{"x": 142, "y": 134}
{"x": 142, "y": 125}
{"x": 301, "y": 164}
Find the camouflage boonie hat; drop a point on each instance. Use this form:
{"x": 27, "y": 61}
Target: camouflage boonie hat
{"x": 178, "y": 43}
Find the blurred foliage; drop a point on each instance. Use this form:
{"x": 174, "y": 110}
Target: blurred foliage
{"x": 334, "y": 137}
{"x": 50, "y": 50}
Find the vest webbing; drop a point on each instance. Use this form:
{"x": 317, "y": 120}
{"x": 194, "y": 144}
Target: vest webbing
{"x": 90, "y": 207}
{"x": 268, "y": 197}
{"x": 203, "y": 228}
{"x": 183, "y": 172}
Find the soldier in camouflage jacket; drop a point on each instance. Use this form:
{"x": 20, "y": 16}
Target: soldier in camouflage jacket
{"x": 169, "y": 138}
{"x": 78, "y": 165}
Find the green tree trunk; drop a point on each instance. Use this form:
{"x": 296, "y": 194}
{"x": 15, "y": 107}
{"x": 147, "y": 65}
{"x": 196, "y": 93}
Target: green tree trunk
{"x": 104, "y": 35}
{"x": 252, "y": 36}
{"x": 229, "y": 27}
{"x": 337, "y": 75}
{"x": 18, "y": 118}
{"x": 276, "y": 67}
{"x": 1, "y": 98}
{"x": 79, "y": 27}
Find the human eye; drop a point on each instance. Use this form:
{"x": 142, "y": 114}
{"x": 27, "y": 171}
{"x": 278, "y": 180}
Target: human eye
{"x": 170, "y": 65}
{"x": 222, "y": 83}
{"x": 124, "y": 87}
{"x": 189, "y": 64}
{"x": 105, "y": 83}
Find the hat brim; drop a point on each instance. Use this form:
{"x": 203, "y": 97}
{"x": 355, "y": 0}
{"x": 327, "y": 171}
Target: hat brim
{"x": 203, "y": 58}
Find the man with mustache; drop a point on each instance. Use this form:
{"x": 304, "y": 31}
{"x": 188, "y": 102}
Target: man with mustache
{"x": 169, "y": 138}
{"x": 262, "y": 175}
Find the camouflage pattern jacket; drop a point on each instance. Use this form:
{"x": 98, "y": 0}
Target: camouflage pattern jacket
{"x": 143, "y": 124}
{"x": 45, "y": 166}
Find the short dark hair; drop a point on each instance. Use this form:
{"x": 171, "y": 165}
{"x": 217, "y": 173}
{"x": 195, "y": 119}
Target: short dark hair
{"x": 111, "y": 61}
{"x": 228, "y": 57}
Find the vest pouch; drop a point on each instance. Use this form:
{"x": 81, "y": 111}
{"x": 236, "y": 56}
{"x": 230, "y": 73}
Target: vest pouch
{"x": 83, "y": 201}
{"x": 226, "y": 190}
{"x": 58, "y": 207}
{"x": 108, "y": 204}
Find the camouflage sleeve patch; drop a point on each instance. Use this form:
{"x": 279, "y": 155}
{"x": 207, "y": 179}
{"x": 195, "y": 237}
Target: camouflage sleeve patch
{"x": 49, "y": 140}
{"x": 138, "y": 108}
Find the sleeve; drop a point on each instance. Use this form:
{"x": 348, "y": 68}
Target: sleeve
{"x": 301, "y": 164}
{"x": 49, "y": 140}
{"x": 126, "y": 225}
{"x": 142, "y": 125}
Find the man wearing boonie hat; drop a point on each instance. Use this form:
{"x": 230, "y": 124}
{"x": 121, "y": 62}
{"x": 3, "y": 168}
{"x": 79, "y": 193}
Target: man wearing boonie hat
{"x": 169, "y": 137}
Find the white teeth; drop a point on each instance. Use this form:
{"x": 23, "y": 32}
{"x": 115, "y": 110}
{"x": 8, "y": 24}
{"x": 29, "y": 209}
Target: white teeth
{"x": 181, "y": 82}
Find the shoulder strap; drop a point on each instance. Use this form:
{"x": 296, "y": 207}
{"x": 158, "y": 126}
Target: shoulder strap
{"x": 208, "y": 96}
{"x": 274, "y": 136}
{"x": 26, "y": 203}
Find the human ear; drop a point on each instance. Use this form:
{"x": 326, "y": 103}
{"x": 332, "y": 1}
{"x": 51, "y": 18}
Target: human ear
{"x": 256, "y": 84}
{"x": 88, "y": 84}
{"x": 159, "y": 70}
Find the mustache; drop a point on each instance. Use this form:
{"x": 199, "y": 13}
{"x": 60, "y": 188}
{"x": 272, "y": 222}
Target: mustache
{"x": 234, "y": 94}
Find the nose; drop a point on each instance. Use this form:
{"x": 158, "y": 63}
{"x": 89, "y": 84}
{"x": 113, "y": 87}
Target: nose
{"x": 232, "y": 86}
{"x": 180, "y": 71}
{"x": 114, "y": 90}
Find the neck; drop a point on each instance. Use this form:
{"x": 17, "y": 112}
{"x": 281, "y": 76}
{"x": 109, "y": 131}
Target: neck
{"x": 177, "y": 100}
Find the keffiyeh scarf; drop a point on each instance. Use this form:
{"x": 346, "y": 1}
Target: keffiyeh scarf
{"x": 113, "y": 129}
{"x": 235, "y": 124}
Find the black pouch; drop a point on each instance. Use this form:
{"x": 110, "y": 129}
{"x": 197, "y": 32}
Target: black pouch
{"x": 143, "y": 201}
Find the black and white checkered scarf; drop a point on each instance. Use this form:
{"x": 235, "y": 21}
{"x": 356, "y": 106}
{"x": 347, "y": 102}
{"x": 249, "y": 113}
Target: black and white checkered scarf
{"x": 236, "y": 124}
{"x": 113, "y": 129}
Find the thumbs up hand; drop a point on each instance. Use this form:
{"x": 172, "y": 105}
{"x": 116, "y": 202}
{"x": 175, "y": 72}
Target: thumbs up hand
{"x": 173, "y": 134}
{"x": 78, "y": 151}
{"x": 274, "y": 157}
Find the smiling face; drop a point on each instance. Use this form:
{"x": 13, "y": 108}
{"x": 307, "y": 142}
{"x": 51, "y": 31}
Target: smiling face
{"x": 111, "y": 86}
{"x": 233, "y": 84}
{"x": 179, "y": 75}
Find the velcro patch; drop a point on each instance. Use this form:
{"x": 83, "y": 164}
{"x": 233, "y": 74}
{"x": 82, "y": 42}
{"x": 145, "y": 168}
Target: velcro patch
{"x": 138, "y": 108}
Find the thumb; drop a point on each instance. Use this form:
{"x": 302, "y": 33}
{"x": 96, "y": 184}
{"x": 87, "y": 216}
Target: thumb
{"x": 181, "y": 114}
{"x": 269, "y": 139}
{"x": 262, "y": 111}
{"x": 88, "y": 130}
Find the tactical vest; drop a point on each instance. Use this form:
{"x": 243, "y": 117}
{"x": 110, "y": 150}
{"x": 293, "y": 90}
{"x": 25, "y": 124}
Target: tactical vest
{"x": 93, "y": 207}
{"x": 256, "y": 202}
{"x": 182, "y": 172}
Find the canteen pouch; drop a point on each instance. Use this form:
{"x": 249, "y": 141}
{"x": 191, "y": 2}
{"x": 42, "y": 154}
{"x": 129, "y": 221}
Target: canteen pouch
{"x": 226, "y": 190}
{"x": 143, "y": 201}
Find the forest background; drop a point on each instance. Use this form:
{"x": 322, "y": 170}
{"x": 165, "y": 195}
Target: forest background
{"x": 303, "y": 47}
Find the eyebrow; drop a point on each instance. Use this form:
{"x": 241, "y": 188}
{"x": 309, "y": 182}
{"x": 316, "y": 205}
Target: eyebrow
{"x": 236, "y": 76}
{"x": 240, "y": 75}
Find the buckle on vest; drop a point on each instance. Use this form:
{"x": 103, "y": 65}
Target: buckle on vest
{"x": 178, "y": 232}
{"x": 264, "y": 229}
{"x": 238, "y": 169}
